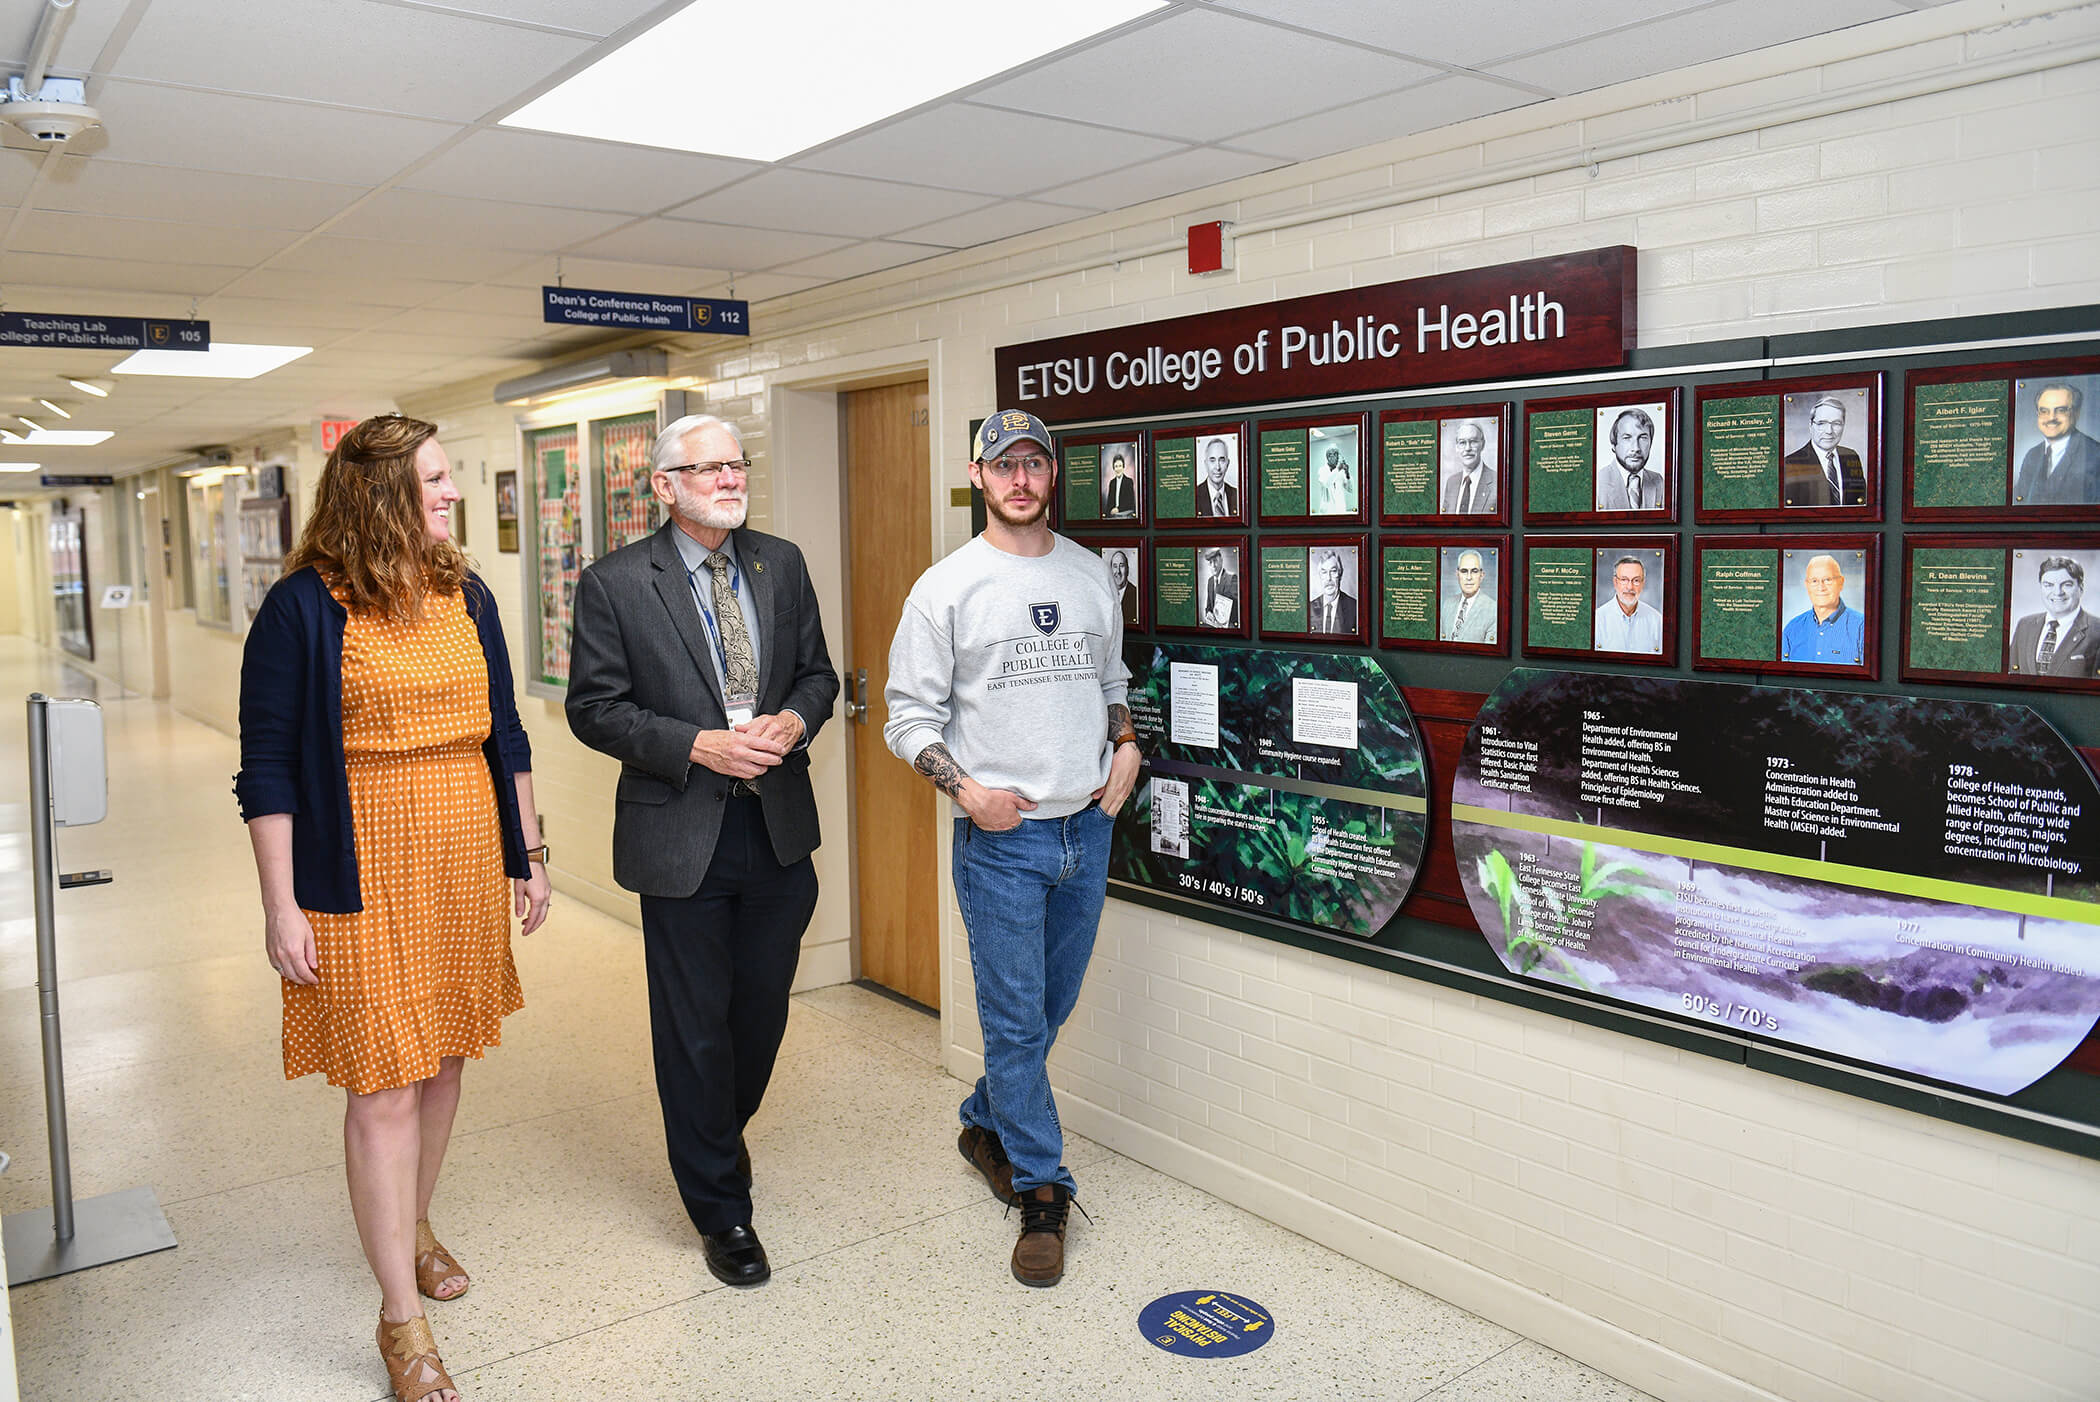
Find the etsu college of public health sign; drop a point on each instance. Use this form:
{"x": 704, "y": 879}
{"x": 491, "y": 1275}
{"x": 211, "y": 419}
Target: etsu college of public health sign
{"x": 1542, "y": 316}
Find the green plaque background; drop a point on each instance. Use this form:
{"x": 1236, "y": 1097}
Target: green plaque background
{"x": 1562, "y": 463}
{"x": 1410, "y": 470}
{"x": 1408, "y": 592}
{"x": 1283, "y": 588}
{"x": 1739, "y": 454}
{"x": 1174, "y": 586}
{"x": 1174, "y": 480}
{"x": 1958, "y": 438}
{"x": 1957, "y": 610}
{"x": 1739, "y": 605}
{"x": 1083, "y": 482}
{"x": 1558, "y": 597}
{"x": 1283, "y": 488}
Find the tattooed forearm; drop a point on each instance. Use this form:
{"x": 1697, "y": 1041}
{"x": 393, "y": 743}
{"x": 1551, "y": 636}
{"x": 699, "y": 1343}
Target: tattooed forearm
{"x": 1119, "y": 720}
{"x": 938, "y": 765}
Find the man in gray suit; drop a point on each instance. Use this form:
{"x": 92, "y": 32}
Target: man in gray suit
{"x": 698, "y": 661}
{"x": 1469, "y": 482}
{"x": 2063, "y": 640}
{"x": 1472, "y": 618}
{"x": 1627, "y": 483}
{"x": 2064, "y": 468}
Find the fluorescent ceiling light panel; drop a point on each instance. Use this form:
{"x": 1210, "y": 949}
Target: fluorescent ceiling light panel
{"x": 99, "y": 388}
{"x": 18, "y": 467}
{"x": 226, "y": 360}
{"x": 61, "y": 437}
{"x": 772, "y": 79}
{"x": 54, "y": 408}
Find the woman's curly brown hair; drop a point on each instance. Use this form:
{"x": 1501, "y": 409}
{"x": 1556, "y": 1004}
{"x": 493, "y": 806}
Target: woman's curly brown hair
{"x": 367, "y": 525}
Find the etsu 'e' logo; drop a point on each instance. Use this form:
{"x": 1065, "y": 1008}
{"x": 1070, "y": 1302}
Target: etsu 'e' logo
{"x": 1013, "y": 422}
{"x": 1044, "y": 617}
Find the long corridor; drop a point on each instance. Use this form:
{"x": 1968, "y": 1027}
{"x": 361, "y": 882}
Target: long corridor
{"x": 890, "y": 1277}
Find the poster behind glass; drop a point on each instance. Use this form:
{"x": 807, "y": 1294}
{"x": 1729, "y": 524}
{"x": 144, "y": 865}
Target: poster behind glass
{"x": 557, "y": 503}
{"x": 630, "y": 509}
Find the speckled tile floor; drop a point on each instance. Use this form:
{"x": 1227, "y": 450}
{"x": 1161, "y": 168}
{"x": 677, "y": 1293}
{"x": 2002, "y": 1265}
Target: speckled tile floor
{"x": 889, "y": 1257}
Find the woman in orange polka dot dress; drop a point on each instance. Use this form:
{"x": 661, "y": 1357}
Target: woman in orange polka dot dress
{"x": 387, "y": 786}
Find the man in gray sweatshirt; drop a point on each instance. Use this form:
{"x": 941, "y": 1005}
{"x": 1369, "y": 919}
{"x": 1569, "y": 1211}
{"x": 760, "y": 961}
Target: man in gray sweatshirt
{"x": 1007, "y": 689}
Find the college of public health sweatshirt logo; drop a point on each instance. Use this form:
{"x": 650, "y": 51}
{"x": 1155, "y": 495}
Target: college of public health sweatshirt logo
{"x": 1044, "y": 617}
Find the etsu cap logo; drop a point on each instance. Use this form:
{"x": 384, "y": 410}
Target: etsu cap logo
{"x": 1044, "y": 617}
{"x": 1004, "y": 427}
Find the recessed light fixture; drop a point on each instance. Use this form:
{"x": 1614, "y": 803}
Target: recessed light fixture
{"x": 21, "y": 467}
{"x": 31, "y": 424}
{"x": 651, "y": 91}
{"x": 99, "y": 388}
{"x": 54, "y": 408}
{"x": 60, "y": 437}
{"x": 226, "y": 360}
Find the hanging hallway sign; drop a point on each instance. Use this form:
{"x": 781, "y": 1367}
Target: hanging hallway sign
{"x": 60, "y": 331}
{"x": 1541, "y": 316}
{"x": 644, "y": 311}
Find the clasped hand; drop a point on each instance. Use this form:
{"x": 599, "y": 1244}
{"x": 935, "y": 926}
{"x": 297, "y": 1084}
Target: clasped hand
{"x": 749, "y": 750}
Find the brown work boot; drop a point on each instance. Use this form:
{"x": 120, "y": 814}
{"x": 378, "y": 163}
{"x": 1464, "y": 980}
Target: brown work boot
{"x": 1039, "y": 1255}
{"x": 988, "y": 1156}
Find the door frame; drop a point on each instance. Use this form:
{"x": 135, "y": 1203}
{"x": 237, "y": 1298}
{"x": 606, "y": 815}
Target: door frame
{"x": 810, "y": 496}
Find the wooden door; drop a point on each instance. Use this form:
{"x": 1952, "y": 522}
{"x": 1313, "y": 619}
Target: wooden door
{"x": 897, "y": 814}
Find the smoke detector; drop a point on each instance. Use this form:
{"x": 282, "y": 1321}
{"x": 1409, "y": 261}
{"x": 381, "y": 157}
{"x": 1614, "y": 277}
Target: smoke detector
{"x": 54, "y": 116}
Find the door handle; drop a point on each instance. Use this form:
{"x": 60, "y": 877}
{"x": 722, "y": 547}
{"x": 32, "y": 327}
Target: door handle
{"x": 857, "y": 696}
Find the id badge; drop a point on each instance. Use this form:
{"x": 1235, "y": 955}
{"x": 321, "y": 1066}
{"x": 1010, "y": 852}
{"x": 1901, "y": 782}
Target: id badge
{"x": 742, "y": 710}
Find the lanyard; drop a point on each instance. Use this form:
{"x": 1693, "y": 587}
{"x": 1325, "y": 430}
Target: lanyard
{"x": 707, "y": 614}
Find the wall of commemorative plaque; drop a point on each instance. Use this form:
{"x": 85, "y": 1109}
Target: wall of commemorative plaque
{"x": 1866, "y": 838}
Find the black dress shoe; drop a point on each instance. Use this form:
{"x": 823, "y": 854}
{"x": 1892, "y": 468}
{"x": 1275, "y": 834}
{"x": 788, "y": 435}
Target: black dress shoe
{"x": 736, "y": 1257}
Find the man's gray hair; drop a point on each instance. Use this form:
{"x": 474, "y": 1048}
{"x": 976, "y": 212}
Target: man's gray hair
{"x": 1828, "y": 401}
{"x": 670, "y": 444}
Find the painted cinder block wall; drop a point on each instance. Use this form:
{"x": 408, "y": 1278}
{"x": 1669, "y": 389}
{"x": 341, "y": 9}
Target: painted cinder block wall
{"x": 1701, "y": 1230}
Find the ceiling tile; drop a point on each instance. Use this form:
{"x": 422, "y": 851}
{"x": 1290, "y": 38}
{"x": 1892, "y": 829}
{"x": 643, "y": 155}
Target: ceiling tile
{"x": 17, "y": 170}
{"x": 90, "y": 30}
{"x": 1170, "y": 175}
{"x": 996, "y": 221}
{"x": 599, "y": 17}
{"x": 359, "y": 53}
{"x": 964, "y": 147}
{"x": 757, "y": 287}
{"x": 254, "y": 136}
{"x": 1461, "y": 35}
{"x": 602, "y": 274}
{"x": 1435, "y": 104}
{"x": 368, "y": 289}
{"x": 544, "y": 169}
{"x": 229, "y": 315}
{"x": 328, "y": 253}
{"x": 147, "y": 240}
{"x": 685, "y": 243}
{"x": 68, "y": 275}
{"x": 869, "y": 257}
{"x": 420, "y": 217}
{"x": 812, "y": 202}
{"x": 1171, "y": 78}
{"x": 1681, "y": 40}
{"x": 100, "y": 185}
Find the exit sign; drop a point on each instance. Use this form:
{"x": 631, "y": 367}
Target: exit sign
{"x": 329, "y": 432}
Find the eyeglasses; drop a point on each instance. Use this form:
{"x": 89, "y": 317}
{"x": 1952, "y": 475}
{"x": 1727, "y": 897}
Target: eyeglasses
{"x": 1003, "y": 469}
{"x": 708, "y": 471}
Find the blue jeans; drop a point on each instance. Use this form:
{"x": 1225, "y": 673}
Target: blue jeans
{"x": 1031, "y": 899}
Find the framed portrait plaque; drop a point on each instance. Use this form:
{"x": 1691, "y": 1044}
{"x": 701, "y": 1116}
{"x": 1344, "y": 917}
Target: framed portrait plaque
{"x": 1444, "y": 593}
{"x": 1605, "y": 598}
{"x": 1805, "y": 606}
{"x": 2002, "y": 610}
{"x": 2006, "y": 442}
{"x": 1313, "y": 587}
{"x": 1199, "y": 585}
{"x": 1804, "y": 451}
{"x": 1126, "y": 560}
{"x": 1199, "y": 476}
{"x": 1311, "y": 471}
{"x": 1101, "y": 479}
{"x": 1447, "y": 465}
{"x": 1602, "y": 459}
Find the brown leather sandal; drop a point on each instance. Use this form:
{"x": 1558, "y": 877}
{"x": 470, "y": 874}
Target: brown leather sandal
{"x": 412, "y": 1363}
{"x": 435, "y": 1265}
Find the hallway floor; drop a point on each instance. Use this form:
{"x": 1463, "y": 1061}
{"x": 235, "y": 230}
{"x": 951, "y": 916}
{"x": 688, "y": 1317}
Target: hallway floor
{"x": 890, "y": 1258}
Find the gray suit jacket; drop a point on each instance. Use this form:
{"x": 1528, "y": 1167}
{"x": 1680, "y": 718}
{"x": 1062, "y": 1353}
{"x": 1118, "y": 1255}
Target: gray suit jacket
{"x": 2076, "y": 481}
{"x": 1611, "y": 490}
{"x": 2077, "y": 651}
{"x": 642, "y": 685}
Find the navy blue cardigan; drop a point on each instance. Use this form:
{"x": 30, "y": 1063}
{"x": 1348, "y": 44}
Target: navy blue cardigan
{"x": 292, "y": 734}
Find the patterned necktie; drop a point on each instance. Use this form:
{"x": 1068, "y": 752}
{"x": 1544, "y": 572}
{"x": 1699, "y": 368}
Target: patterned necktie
{"x": 1633, "y": 489}
{"x": 1458, "y": 624}
{"x": 1465, "y": 498}
{"x": 2047, "y": 654}
{"x": 740, "y": 668}
{"x": 1837, "y": 481}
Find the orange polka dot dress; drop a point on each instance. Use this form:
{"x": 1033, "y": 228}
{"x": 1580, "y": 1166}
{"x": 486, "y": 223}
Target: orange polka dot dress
{"x": 424, "y": 970}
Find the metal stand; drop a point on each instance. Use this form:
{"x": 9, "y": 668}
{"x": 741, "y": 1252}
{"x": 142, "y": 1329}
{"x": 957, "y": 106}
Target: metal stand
{"x": 68, "y": 1235}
